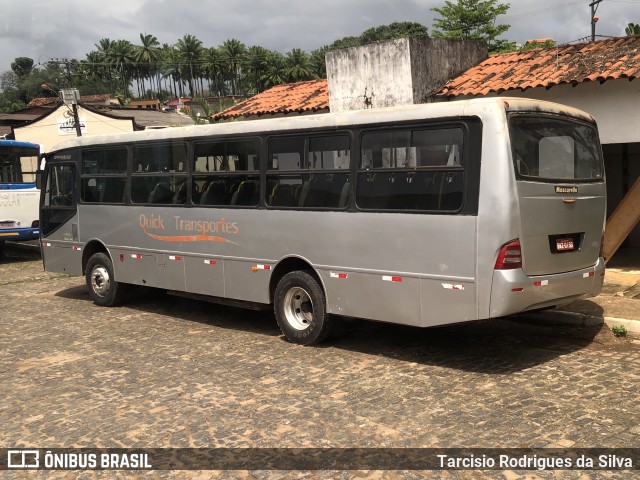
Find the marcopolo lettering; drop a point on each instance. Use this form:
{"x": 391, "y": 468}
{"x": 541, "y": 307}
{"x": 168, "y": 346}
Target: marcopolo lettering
{"x": 565, "y": 189}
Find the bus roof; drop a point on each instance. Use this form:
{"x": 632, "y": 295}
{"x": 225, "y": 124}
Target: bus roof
{"x": 343, "y": 119}
{"x": 15, "y": 143}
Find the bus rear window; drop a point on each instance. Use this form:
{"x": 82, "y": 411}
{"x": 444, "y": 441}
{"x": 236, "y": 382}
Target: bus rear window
{"x": 547, "y": 148}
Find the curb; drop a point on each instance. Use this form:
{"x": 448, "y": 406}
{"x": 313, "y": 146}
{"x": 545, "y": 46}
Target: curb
{"x": 632, "y": 326}
{"x": 562, "y": 317}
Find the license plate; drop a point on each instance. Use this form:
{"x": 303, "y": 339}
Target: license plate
{"x": 6, "y": 224}
{"x": 564, "y": 244}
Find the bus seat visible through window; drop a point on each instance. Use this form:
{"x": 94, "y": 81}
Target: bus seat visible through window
{"x": 161, "y": 193}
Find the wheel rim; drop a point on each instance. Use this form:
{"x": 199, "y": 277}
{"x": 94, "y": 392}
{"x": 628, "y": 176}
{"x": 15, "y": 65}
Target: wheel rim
{"x": 298, "y": 308}
{"x": 100, "y": 281}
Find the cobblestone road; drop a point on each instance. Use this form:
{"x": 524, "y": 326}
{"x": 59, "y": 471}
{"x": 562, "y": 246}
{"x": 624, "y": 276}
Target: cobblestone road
{"x": 168, "y": 372}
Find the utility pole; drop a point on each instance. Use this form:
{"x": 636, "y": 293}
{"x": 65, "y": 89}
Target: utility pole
{"x": 594, "y": 8}
{"x": 74, "y": 101}
{"x": 69, "y": 96}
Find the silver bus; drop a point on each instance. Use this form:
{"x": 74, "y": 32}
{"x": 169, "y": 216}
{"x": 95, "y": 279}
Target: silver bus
{"x": 419, "y": 215}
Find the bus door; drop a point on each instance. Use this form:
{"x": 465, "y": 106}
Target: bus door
{"x": 59, "y": 220}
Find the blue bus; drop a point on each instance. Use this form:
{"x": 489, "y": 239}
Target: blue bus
{"x": 18, "y": 193}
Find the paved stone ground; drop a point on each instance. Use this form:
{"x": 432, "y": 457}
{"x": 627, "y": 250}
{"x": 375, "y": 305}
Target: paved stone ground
{"x": 168, "y": 372}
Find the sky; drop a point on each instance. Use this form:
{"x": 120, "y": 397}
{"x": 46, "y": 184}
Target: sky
{"x": 47, "y": 29}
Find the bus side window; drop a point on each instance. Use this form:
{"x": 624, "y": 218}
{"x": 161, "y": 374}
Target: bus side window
{"x": 309, "y": 172}
{"x": 226, "y": 173}
{"x": 163, "y": 173}
{"x": 411, "y": 170}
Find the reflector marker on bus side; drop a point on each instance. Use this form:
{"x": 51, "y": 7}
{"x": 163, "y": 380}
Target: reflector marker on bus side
{"x": 339, "y": 275}
{"x": 137, "y": 256}
{"x": 46, "y": 244}
{"x": 540, "y": 283}
{"x": 76, "y": 249}
{"x": 450, "y": 286}
{"x": 389, "y": 278}
{"x": 588, "y": 274}
{"x": 518, "y": 289}
{"x": 261, "y": 267}
{"x": 209, "y": 262}
{"x": 175, "y": 258}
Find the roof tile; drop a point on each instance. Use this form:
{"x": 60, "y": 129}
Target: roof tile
{"x": 297, "y": 97}
{"x": 601, "y": 60}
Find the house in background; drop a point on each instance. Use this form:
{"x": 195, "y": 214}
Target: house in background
{"x": 47, "y": 121}
{"x": 596, "y": 77}
{"x": 58, "y": 125}
{"x": 145, "y": 103}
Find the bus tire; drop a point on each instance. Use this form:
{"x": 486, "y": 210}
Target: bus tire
{"x": 101, "y": 284}
{"x": 300, "y": 309}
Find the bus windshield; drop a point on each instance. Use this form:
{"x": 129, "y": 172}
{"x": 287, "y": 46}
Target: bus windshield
{"x": 18, "y": 164}
{"x": 548, "y": 148}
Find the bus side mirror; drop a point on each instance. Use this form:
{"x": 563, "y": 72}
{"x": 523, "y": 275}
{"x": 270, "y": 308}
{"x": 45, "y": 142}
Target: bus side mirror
{"x": 39, "y": 179}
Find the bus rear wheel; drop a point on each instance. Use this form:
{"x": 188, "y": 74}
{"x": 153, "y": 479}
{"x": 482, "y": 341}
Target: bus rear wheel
{"x": 300, "y": 309}
{"x": 101, "y": 284}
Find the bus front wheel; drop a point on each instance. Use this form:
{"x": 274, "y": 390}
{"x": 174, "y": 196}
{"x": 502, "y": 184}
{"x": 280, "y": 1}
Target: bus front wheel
{"x": 101, "y": 284}
{"x": 300, "y": 309}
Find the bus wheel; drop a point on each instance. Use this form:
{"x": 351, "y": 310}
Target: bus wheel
{"x": 300, "y": 309}
{"x": 103, "y": 289}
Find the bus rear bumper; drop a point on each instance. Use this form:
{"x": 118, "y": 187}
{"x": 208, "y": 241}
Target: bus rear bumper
{"x": 512, "y": 291}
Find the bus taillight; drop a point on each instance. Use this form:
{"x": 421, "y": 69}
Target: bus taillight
{"x": 510, "y": 256}
{"x": 35, "y": 224}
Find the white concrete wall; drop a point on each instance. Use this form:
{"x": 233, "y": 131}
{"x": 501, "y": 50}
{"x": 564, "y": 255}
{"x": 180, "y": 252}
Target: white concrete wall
{"x": 370, "y": 76}
{"x": 396, "y": 72}
{"x": 615, "y": 104}
{"x": 48, "y": 132}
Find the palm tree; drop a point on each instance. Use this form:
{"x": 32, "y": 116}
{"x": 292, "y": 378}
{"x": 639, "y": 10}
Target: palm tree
{"x": 213, "y": 68}
{"x": 104, "y": 46}
{"x": 190, "y": 50}
{"x": 93, "y": 66}
{"x": 147, "y": 56}
{"x": 121, "y": 56}
{"x": 276, "y": 73}
{"x": 298, "y": 65}
{"x": 318, "y": 63}
{"x": 255, "y": 65}
{"x": 234, "y": 51}
{"x": 172, "y": 68}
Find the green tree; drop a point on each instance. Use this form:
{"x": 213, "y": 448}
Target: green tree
{"x": 190, "y": 50}
{"x": 214, "y": 70}
{"x": 381, "y": 33}
{"x": 146, "y": 57}
{"x": 102, "y": 57}
{"x": 172, "y": 69}
{"x": 121, "y": 56}
{"x": 276, "y": 73}
{"x": 255, "y": 67}
{"x": 298, "y": 66}
{"x": 318, "y": 63}
{"x": 393, "y": 30}
{"x": 471, "y": 20}
{"x": 22, "y": 66}
{"x": 234, "y": 52}
{"x": 631, "y": 30}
